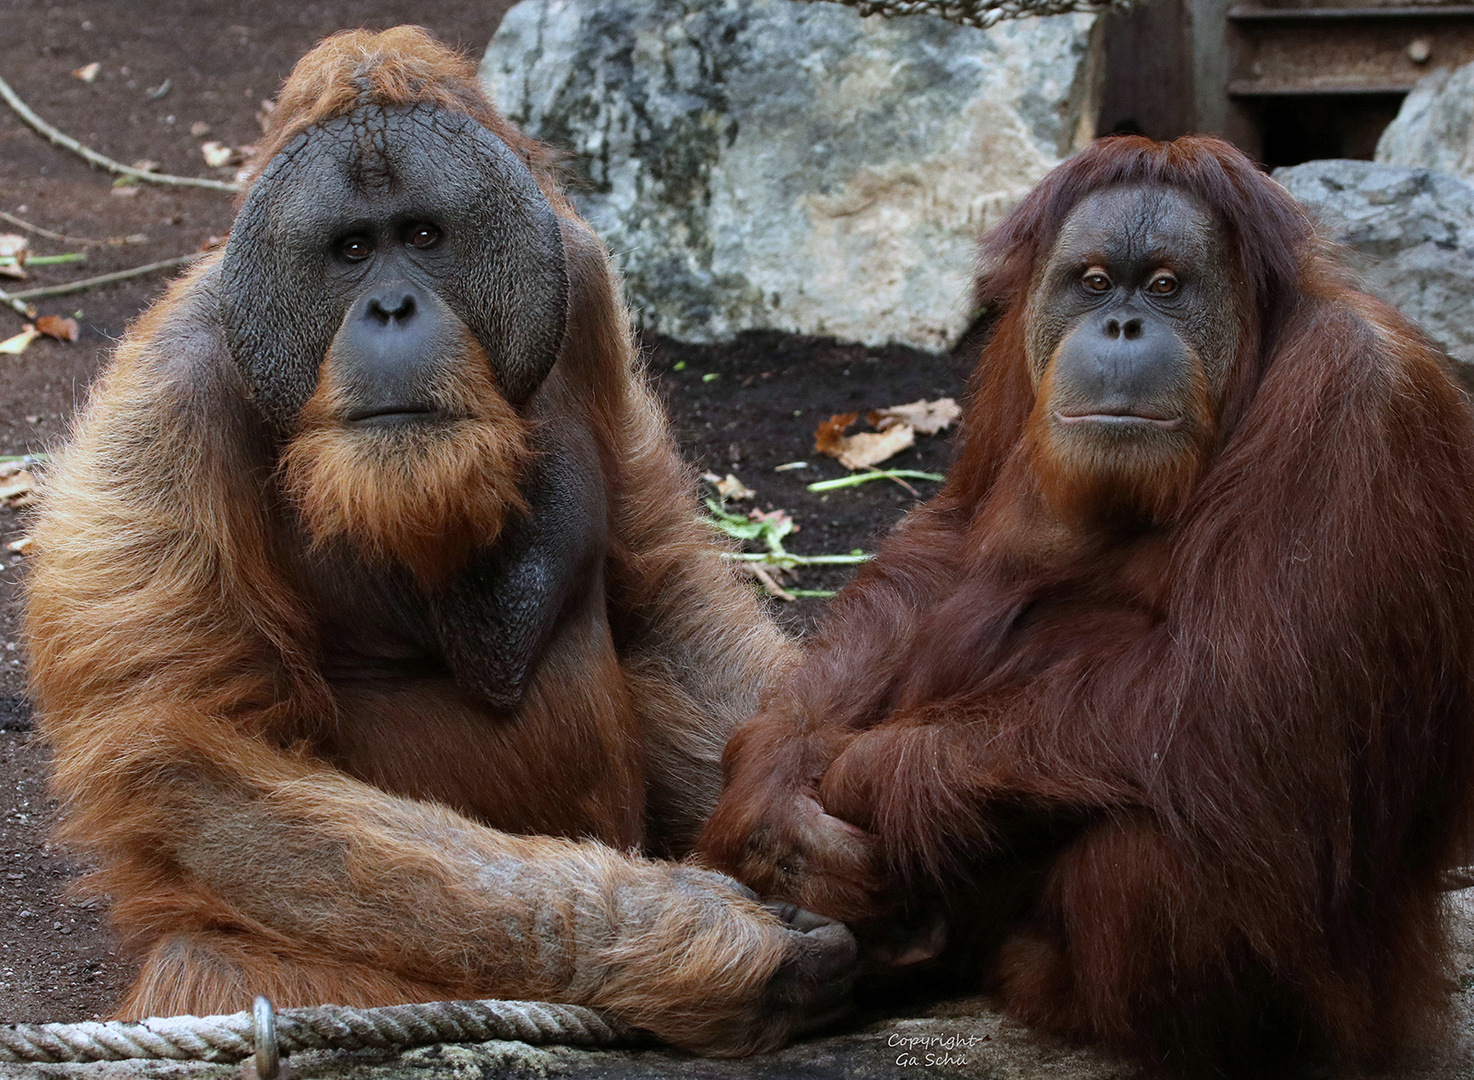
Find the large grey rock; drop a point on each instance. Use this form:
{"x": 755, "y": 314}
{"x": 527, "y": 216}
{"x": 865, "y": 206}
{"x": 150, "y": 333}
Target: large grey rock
{"x": 765, "y": 164}
{"x": 1434, "y": 128}
{"x": 1414, "y": 230}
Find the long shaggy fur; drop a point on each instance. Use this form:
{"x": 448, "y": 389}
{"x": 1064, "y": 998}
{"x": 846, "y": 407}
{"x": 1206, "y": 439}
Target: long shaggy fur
{"x": 262, "y": 823}
{"x": 1191, "y": 789}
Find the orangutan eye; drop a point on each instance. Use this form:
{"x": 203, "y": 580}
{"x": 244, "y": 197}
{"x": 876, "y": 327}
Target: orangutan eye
{"x": 422, "y": 235}
{"x": 355, "y": 248}
{"x": 1096, "y": 280}
{"x": 1162, "y": 284}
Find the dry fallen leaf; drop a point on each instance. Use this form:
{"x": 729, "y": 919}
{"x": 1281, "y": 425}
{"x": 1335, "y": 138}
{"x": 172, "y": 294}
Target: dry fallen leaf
{"x": 729, "y": 487}
{"x": 829, "y": 436}
{"x": 56, "y": 326}
{"x": 16, "y": 489}
{"x": 870, "y": 448}
{"x": 925, "y": 417}
{"x": 14, "y": 346}
{"x": 779, "y": 518}
{"x": 87, "y": 72}
{"x": 13, "y": 251}
{"x": 218, "y": 155}
{"x": 864, "y": 450}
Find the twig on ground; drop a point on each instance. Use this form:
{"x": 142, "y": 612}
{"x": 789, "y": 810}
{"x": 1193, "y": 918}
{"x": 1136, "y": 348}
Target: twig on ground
{"x": 769, "y": 582}
{"x": 17, "y": 305}
{"x": 62, "y": 238}
{"x": 84, "y": 284}
{"x": 66, "y": 142}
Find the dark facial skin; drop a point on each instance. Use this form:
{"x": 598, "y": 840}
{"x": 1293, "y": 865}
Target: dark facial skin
{"x": 1133, "y": 324}
{"x": 387, "y": 234}
{"x": 404, "y": 243}
{"x": 388, "y": 348}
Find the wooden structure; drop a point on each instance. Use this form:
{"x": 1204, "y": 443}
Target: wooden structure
{"x": 1287, "y": 80}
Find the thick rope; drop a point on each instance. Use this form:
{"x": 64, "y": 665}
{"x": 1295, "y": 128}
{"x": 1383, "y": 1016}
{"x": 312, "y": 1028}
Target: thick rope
{"x": 323, "y": 1027}
{"x": 979, "y": 13}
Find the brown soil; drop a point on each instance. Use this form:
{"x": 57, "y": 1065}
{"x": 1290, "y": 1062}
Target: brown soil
{"x": 166, "y": 67}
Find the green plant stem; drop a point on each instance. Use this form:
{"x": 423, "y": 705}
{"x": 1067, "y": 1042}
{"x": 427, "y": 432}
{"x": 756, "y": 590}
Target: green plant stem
{"x": 45, "y": 260}
{"x": 786, "y": 559}
{"x": 878, "y": 474}
{"x": 52, "y": 135}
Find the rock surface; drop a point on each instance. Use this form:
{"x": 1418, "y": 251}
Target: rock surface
{"x": 1434, "y": 128}
{"x": 1413, "y": 232}
{"x": 765, "y": 164}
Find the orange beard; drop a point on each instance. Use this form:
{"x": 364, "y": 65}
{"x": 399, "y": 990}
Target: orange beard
{"x": 423, "y": 496}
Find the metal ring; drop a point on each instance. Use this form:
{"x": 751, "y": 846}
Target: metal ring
{"x": 268, "y": 1053}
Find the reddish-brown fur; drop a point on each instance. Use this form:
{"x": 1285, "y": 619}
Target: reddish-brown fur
{"x": 265, "y": 826}
{"x": 400, "y": 66}
{"x": 426, "y": 506}
{"x": 1174, "y": 786}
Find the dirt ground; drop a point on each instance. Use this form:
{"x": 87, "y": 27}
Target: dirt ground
{"x": 173, "y": 75}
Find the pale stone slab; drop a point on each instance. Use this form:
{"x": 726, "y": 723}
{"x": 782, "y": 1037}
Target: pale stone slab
{"x": 1413, "y": 230}
{"x": 1434, "y": 128}
{"x": 765, "y": 164}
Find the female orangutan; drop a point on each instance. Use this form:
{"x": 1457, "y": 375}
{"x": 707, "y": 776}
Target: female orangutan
{"x": 1160, "y": 711}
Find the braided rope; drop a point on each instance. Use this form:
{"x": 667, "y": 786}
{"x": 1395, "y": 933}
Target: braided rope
{"x": 323, "y": 1027}
{"x": 979, "y": 13}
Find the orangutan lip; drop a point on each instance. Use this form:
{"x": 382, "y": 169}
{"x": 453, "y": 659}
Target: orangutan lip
{"x": 1120, "y": 420}
{"x": 394, "y": 414}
